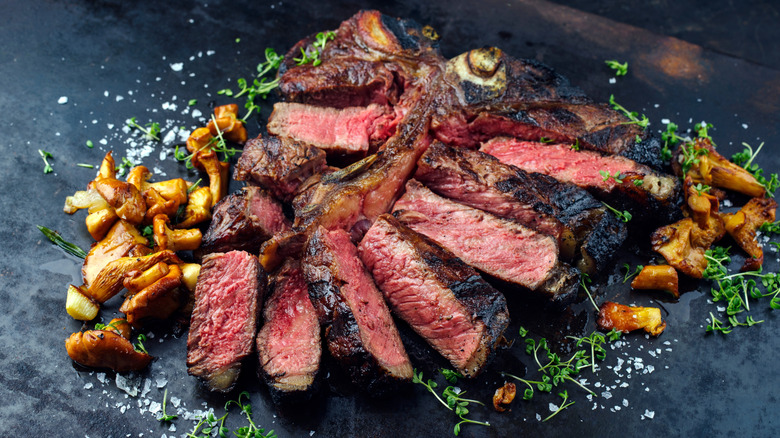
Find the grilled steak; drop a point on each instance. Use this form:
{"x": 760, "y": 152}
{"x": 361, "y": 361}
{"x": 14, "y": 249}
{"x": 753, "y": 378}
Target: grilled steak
{"x": 279, "y": 165}
{"x": 353, "y": 197}
{"x": 358, "y": 329}
{"x": 443, "y": 299}
{"x": 243, "y": 221}
{"x": 563, "y": 211}
{"x": 372, "y": 59}
{"x": 491, "y": 94}
{"x": 637, "y": 186}
{"x": 223, "y": 325}
{"x": 288, "y": 345}
{"x": 347, "y": 131}
{"x": 499, "y": 247}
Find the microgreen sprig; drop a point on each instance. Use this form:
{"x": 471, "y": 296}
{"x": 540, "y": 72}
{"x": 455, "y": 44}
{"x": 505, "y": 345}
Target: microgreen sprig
{"x": 313, "y": 56}
{"x": 624, "y": 215}
{"x": 745, "y": 159}
{"x": 620, "y": 69}
{"x": 630, "y": 273}
{"x": 454, "y": 400}
{"x": 585, "y": 278}
{"x": 633, "y": 116}
{"x": 45, "y": 156}
{"x": 605, "y": 175}
{"x": 250, "y": 431}
{"x": 564, "y": 405}
{"x": 139, "y": 345}
{"x": 151, "y": 131}
{"x": 165, "y": 418}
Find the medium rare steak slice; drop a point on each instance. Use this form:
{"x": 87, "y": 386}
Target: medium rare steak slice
{"x": 243, "y": 221}
{"x": 358, "y": 329}
{"x": 564, "y": 211}
{"x": 637, "y": 186}
{"x": 491, "y": 94}
{"x": 288, "y": 345}
{"x": 443, "y": 299}
{"x": 347, "y": 131}
{"x": 223, "y": 325}
{"x": 499, "y": 247}
{"x": 279, "y": 165}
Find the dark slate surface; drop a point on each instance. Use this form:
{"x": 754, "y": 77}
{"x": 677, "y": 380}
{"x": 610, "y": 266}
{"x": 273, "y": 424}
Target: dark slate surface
{"x": 95, "y": 52}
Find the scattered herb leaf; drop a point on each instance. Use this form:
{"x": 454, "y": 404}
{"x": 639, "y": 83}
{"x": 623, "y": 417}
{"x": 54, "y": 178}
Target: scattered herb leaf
{"x": 56, "y": 239}
{"x": 633, "y": 116}
{"x": 46, "y": 155}
{"x": 624, "y": 215}
{"x": 630, "y": 273}
{"x": 620, "y": 69}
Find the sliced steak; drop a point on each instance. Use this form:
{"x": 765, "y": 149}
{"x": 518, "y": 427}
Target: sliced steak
{"x": 243, "y": 221}
{"x": 498, "y": 247}
{"x": 223, "y": 325}
{"x": 443, "y": 299}
{"x": 288, "y": 345}
{"x": 637, "y": 187}
{"x": 352, "y": 197}
{"x": 358, "y": 329}
{"x": 373, "y": 58}
{"x": 491, "y": 94}
{"x": 348, "y": 131}
{"x": 279, "y": 165}
{"x": 564, "y": 211}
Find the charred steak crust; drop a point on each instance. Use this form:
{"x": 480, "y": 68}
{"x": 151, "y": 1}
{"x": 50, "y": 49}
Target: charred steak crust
{"x": 278, "y": 165}
{"x": 243, "y": 221}
{"x": 288, "y": 345}
{"x": 443, "y": 299}
{"x": 358, "y": 329}
{"x": 223, "y": 325}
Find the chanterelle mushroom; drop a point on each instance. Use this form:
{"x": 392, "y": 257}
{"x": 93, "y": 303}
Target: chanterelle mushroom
{"x": 157, "y": 300}
{"x": 105, "y": 349}
{"x": 174, "y": 240}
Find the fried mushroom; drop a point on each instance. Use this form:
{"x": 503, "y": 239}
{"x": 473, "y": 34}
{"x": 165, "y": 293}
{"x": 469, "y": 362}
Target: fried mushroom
{"x": 105, "y": 349}
{"x": 627, "y": 319}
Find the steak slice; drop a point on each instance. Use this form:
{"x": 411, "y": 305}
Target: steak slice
{"x": 358, "y": 329}
{"x": 564, "y": 211}
{"x": 288, "y": 345}
{"x": 243, "y": 221}
{"x": 443, "y": 299}
{"x": 223, "y": 325}
{"x": 637, "y": 187}
{"x": 491, "y": 94}
{"x": 498, "y": 247}
{"x": 348, "y": 131}
{"x": 279, "y": 165}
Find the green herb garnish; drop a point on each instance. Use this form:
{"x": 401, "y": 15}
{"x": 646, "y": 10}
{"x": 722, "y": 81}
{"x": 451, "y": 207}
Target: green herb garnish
{"x": 90, "y": 144}
{"x": 46, "y": 155}
{"x": 56, "y": 239}
{"x": 745, "y": 159}
{"x": 165, "y": 418}
{"x": 139, "y": 345}
{"x": 605, "y": 175}
{"x": 620, "y": 69}
{"x": 632, "y": 115}
{"x": 624, "y": 215}
{"x": 630, "y": 273}
{"x": 454, "y": 400}
{"x": 151, "y": 131}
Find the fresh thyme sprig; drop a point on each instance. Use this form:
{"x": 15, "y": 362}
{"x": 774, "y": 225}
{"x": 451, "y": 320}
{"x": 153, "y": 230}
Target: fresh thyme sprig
{"x": 151, "y": 131}
{"x": 620, "y": 69}
{"x": 454, "y": 400}
{"x": 56, "y": 239}
{"x": 633, "y": 116}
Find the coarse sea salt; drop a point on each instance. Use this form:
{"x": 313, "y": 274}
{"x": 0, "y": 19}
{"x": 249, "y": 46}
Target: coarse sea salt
{"x": 62, "y": 100}
{"x": 178, "y": 66}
